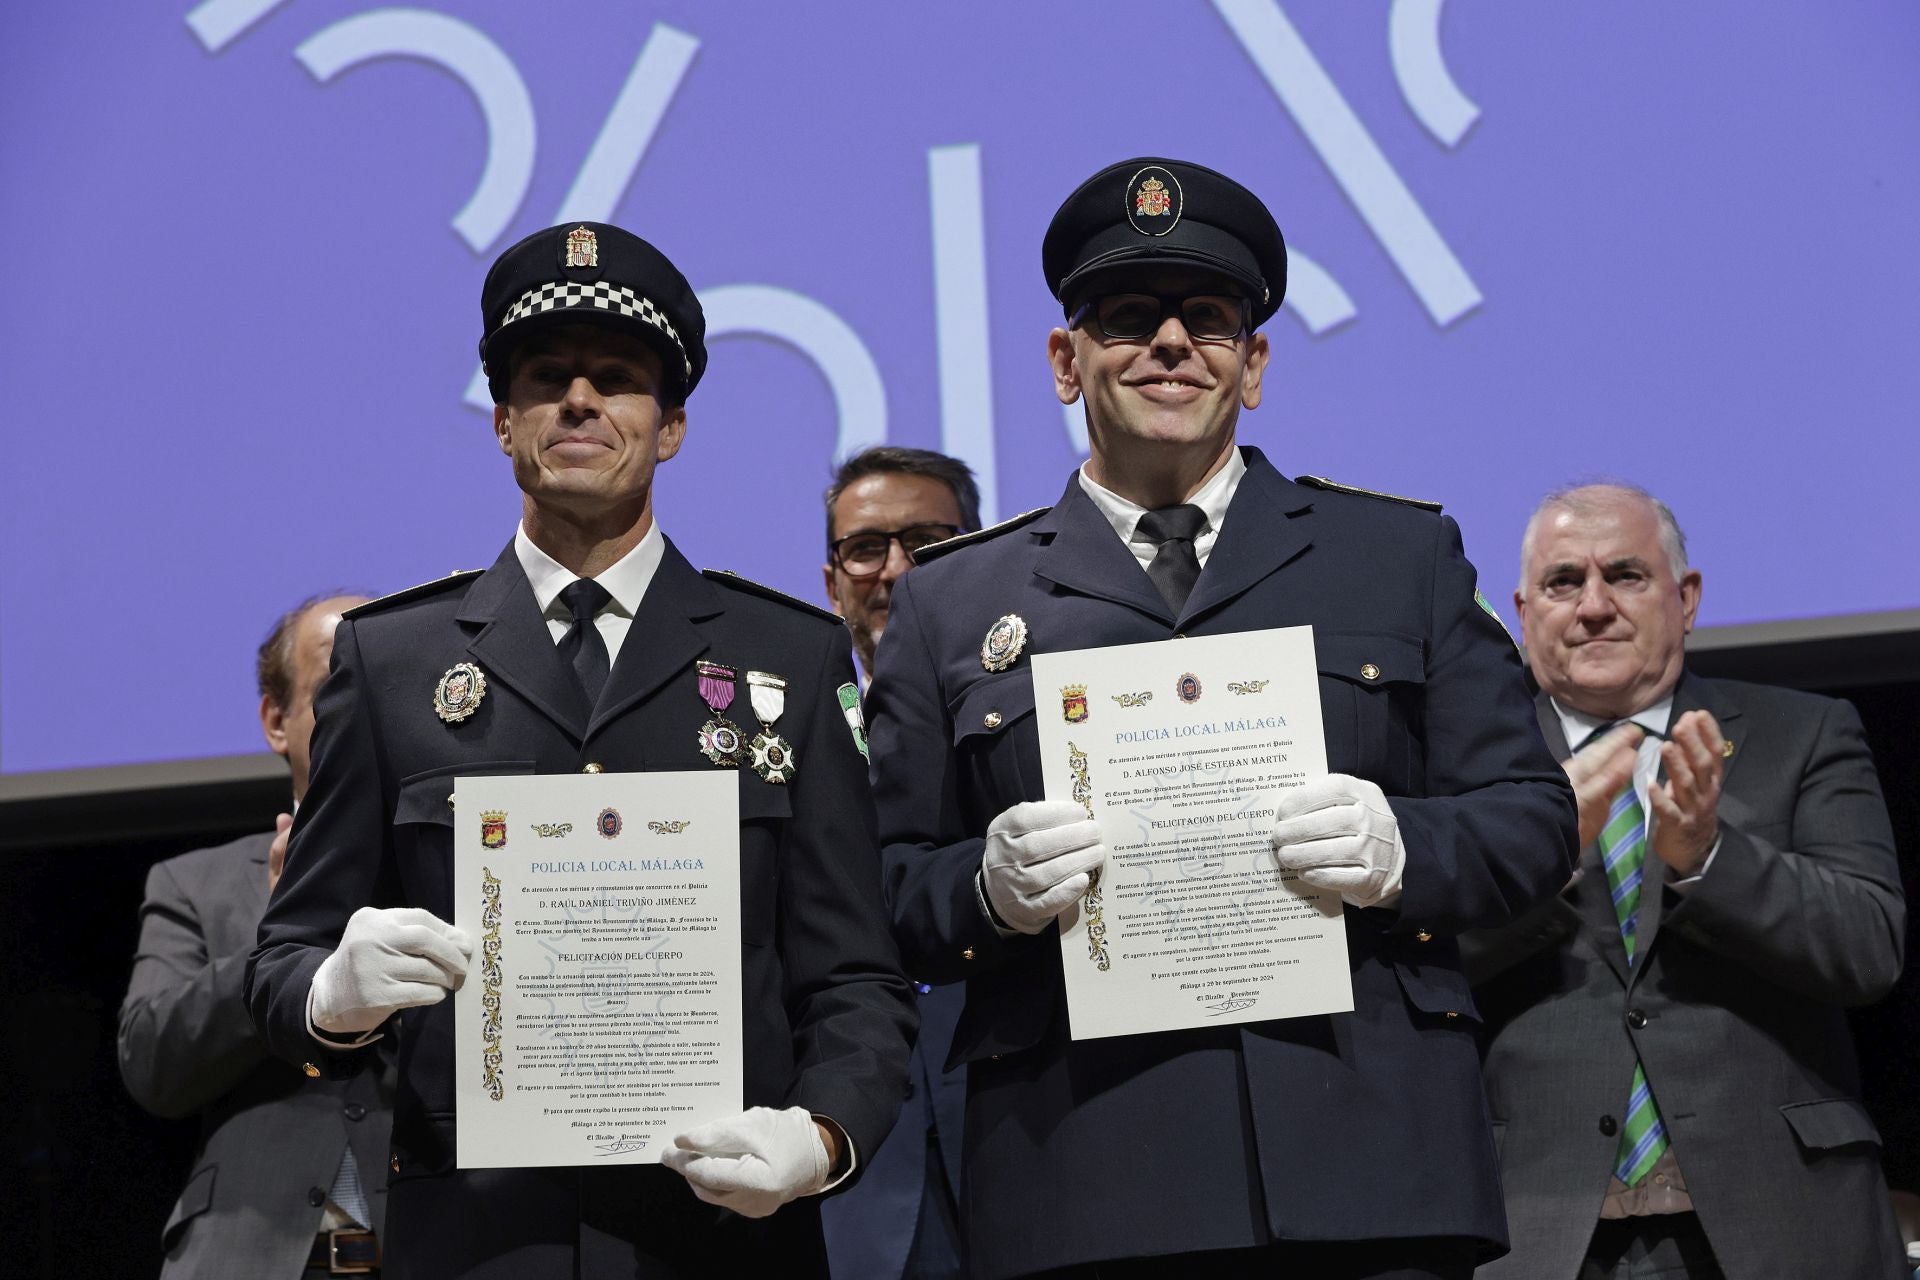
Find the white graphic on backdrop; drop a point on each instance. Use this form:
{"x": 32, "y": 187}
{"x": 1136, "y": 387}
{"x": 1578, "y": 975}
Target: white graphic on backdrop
{"x": 1413, "y": 42}
{"x": 961, "y": 318}
{"x": 1313, "y": 100}
{"x": 478, "y": 63}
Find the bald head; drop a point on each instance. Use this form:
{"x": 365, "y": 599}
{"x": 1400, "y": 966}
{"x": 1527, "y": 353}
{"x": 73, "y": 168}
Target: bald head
{"x": 293, "y": 661}
{"x": 1605, "y": 598}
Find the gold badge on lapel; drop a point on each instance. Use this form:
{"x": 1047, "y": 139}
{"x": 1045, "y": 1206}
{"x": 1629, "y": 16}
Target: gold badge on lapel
{"x": 458, "y": 694}
{"x": 1005, "y": 641}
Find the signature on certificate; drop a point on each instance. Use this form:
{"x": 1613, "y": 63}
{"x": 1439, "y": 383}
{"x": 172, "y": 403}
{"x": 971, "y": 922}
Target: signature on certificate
{"x": 1230, "y": 1006}
{"x": 622, "y": 1146}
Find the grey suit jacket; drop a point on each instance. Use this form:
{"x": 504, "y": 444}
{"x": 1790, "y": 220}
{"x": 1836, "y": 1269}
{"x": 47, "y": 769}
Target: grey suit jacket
{"x": 1734, "y": 1003}
{"x": 270, "y": 1139}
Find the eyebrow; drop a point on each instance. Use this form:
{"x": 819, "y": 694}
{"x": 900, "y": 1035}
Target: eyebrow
{"x": 1611, "y": 566}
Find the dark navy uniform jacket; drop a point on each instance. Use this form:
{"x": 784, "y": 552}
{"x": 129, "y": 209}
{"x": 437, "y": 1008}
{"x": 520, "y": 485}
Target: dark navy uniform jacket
{"x": 1357, "y": 1126}
{"x": 827, "y": 1015}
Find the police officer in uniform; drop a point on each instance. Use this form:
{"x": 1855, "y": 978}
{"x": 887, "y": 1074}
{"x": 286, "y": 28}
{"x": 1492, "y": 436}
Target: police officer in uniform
{"x": 1344, "y": 1145}
{"x": 590, "y": 645}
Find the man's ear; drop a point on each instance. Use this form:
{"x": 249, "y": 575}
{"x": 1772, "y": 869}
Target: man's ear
{"x": 1066, "y": 374}
{"x": 673, "y": 433}
{"x": 1690, "y": 598}
{"x": 501, "y": 431}
{"x": 1258, "y": 353}
{"x": 273, "y": 726}
{"x": 833, "y": 596}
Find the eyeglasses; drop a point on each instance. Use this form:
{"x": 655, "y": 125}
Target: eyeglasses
{"x": 1129, "y": 317}
{"x": 863, "y": 554}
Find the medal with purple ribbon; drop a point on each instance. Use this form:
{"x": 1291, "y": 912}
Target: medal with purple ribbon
{"x": 721, "y": 740}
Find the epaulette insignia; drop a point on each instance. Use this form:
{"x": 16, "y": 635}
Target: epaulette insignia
{"x": 405, "y": 594}
{"x": 960, "y": 540}
{"x": 1321, "y": 482}
{"x": 727, "y": 577}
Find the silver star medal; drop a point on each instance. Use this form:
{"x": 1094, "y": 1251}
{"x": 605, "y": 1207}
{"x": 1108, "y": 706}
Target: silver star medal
{"x": 772, "y": 755}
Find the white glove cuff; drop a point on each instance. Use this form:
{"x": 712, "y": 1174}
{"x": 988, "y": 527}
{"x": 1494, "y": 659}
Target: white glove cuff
{"x": 332, "y": 1041}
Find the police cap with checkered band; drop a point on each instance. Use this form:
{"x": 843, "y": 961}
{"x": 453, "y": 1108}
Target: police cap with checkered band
{"x": 596, "y": 273}
{"x": 1151, "y": 211}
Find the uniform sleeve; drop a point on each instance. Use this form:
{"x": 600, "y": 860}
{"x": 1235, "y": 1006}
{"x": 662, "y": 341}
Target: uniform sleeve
{"x": 1497, "y": 829}
{"x": 185, "y": 1038}
{"x": 928, "y": 857}
{"x": 339, "y": 860}
{"x": 851, "y": 1009}
{"x": 1815, "y": 907}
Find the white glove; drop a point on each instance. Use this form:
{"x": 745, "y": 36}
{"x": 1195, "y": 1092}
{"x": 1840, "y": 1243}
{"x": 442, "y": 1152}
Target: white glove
{"x": 1038, "y": 861}
{"x": 754, "y": 1162}
{"x": 1339, "y": 833}
{"x": 388, "y": 959}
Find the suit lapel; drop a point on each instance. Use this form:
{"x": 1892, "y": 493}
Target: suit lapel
{"x": 1593, "y": 897}
{"x": 663, "y": 641}
{"x": 514, "y": 645}
{"x": 1082, "y": 553}
{"x": 1264, "y": 530}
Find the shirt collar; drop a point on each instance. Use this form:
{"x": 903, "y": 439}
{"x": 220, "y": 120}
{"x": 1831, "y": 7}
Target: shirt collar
{"x": 626, "y": 579}
{"x": 1214, "y": 497}
{"x": 1579, "y": 726}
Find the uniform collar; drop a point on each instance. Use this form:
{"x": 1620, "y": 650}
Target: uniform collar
{"x": 626, "y": 579}
{"x": 1214, "y": 496}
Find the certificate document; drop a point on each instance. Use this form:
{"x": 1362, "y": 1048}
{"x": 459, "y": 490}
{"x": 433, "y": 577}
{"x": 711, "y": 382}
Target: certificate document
{"x": 602, "y": 1012}
{"x": 1178, "y": 749}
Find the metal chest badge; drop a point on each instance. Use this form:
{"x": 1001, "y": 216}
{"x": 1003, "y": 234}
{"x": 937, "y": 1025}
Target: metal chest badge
{"x": 583, "y": 248}
{"x": 459, "y": 692}
{"x": 721, "y": 740}
{"x": 772, "y": 755}
{"x": 1005, "y": 641}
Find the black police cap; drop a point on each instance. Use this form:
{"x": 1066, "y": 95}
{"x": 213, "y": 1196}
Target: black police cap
{"x": 594, "y": 272}
{"x": 1151, "y": 211}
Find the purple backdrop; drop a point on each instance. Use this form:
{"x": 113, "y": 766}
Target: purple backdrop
{"x": 244, "y": 243}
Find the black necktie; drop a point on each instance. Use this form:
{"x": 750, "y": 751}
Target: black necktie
{"x": 1175, "y": 567}
{"x": 582, "y": 647}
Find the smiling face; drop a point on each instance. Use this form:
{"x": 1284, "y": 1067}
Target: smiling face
{"x": 1603, "y": 616}
{"x": 586, "y": 420}
{"x": 1168, "y": 399}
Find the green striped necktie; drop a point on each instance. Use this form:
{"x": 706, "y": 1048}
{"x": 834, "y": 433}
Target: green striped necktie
{"x": 1623, "y": 851}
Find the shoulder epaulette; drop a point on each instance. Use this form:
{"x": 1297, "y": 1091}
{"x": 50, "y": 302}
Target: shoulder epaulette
{"x": 453, "y": 579}
{"x": 728, "y": 578}
{"x": 960, "y": 540}
{"x": 1321, "y": 482}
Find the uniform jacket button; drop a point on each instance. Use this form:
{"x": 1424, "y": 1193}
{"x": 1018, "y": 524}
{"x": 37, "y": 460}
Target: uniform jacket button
{"x": 394, "y": 1164}
{"x": 991, "y": 720}
{"x": 1369, "y": 672}
{"x": 1423, "y": 936}
{"x": 312, "y": 1071}
{"x": 354, "y": 1111}
{"x": 1609, "y": 1126}
{"x": 591, "y": 766}
{"x": 316, "y": 1197}
{"x": 967, "y": 954}
{"x": 1636, "y": 1019}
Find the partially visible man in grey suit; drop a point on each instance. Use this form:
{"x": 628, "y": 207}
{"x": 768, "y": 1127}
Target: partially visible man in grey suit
{"x": 288, "y": 1171}
{"x": 1672, "y": 1083}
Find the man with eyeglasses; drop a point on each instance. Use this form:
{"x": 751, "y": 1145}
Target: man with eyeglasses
{"x": 1346, "y": 1145}
{"x": 901, "y": 1222}
{"x": 886, "y": 503}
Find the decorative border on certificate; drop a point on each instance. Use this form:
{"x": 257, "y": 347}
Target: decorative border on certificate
{"x": 1091, "y": 904}
{"x": 490, "y": 979}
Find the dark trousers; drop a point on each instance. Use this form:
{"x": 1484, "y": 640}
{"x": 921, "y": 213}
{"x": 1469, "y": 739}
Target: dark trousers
{"x": 1665, "y": 1246}
{"x": 1370, "y": 1260}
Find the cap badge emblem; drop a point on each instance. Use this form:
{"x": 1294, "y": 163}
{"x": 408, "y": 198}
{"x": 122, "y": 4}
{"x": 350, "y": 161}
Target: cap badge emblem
{"x": 1154, "y": 201}
{"x": 1004, "y": 641}
{"x": 583, "y": 248}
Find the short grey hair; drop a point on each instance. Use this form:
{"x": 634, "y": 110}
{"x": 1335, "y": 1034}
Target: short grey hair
{"x": 1582, "y": 499}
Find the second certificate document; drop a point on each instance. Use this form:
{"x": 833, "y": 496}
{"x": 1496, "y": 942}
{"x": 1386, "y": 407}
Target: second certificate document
{"x": 1179, "y": 750}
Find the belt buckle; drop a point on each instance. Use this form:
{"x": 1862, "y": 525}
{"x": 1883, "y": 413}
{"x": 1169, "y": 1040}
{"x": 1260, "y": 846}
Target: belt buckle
{"x": 354, "y": 1236}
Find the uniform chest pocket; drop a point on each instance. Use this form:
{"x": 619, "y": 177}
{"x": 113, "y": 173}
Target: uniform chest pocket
{"x": 427, "y": 797}
{"x": 994, "y": 741}
{"x": 1372, "y": 700}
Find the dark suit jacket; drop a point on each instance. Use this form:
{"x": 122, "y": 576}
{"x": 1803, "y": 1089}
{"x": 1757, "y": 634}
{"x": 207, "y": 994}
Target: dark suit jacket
{"x": 827, "y": 1015}
{"x": 1356, "y": 1126}
{"x": 1739, "y": 986}
{"x": 269, "y": 1137}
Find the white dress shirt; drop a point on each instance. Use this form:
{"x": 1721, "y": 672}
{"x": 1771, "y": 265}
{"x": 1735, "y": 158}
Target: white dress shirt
{"x": 1213, "y": 499}
{"x": 626, "y": 580}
